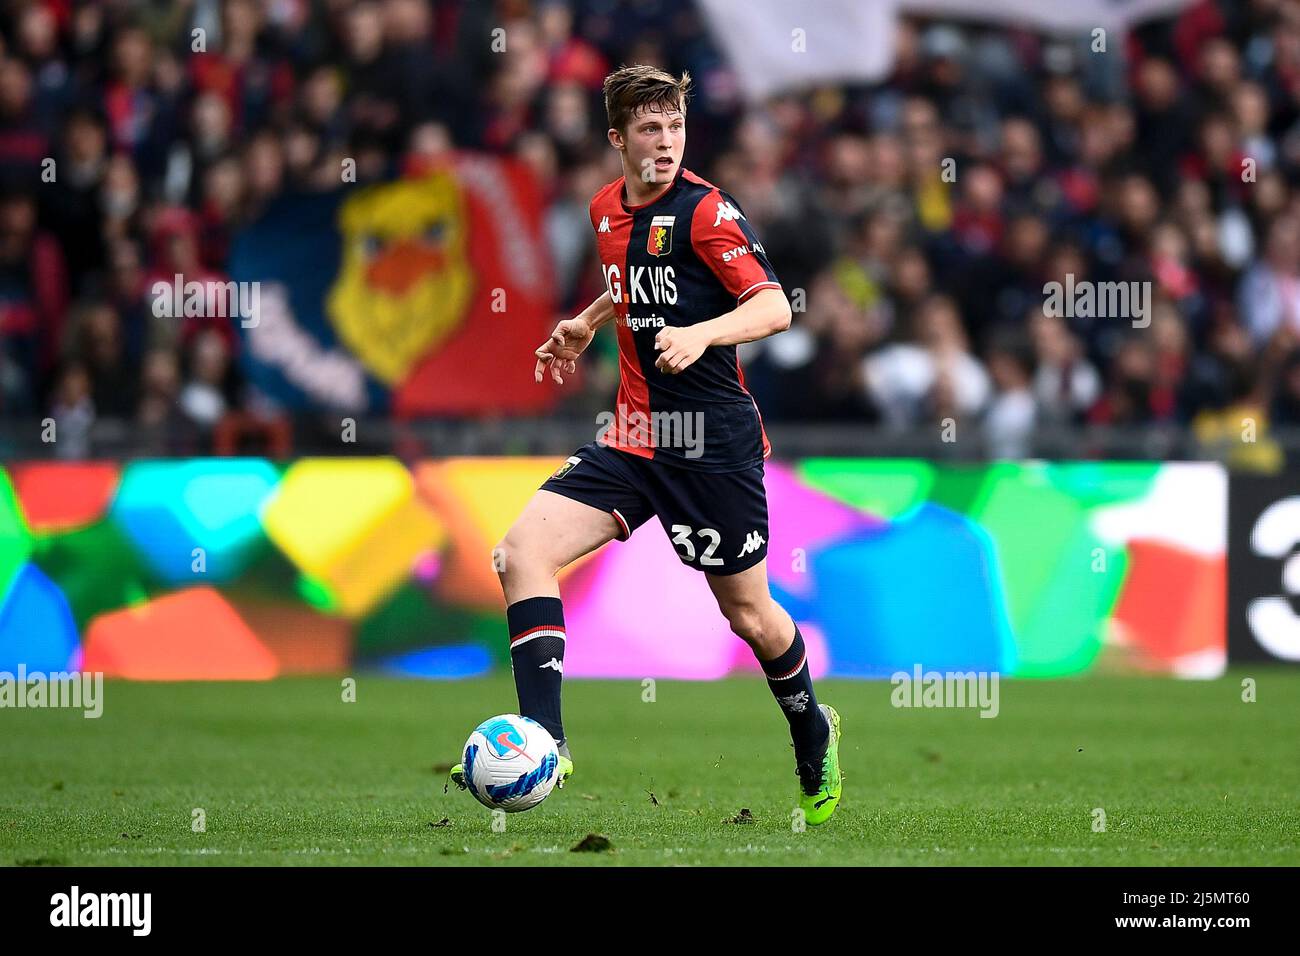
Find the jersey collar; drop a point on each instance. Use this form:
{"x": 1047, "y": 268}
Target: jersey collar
{"x": 622, "y": 193}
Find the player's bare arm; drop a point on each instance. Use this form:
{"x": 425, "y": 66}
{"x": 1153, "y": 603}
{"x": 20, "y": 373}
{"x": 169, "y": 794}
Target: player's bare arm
{"x": 570, "y": 338}
{"x": 764, "y": 313}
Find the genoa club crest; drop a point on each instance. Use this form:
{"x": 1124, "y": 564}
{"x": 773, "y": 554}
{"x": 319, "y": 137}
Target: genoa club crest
{"x": 659, "y": 242}
{"x": 572, "y": 462}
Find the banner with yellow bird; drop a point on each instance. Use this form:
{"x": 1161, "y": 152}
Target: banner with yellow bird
{"x": 424, "y": 295}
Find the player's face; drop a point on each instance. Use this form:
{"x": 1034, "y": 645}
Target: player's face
{"x": 654, "y": 145}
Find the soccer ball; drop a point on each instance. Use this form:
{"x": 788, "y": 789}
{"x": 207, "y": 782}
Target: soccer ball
{"x": 511, "y": 763}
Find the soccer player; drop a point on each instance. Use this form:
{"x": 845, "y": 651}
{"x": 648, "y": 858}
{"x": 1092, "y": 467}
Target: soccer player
{"x": 686, "y": 280}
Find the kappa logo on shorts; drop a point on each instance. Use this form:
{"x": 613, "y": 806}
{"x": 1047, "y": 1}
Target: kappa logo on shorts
{"x": 571, "y": 463}
{"x": 753, "y": 541}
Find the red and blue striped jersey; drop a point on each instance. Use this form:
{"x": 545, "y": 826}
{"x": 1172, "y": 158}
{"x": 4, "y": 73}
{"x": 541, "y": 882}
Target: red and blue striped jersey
{"x": 687, "y": 256}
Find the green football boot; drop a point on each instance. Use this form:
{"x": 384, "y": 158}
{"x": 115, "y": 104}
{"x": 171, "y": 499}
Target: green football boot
{"x": 820, "y": 783}
{"x": 565, "y": 770}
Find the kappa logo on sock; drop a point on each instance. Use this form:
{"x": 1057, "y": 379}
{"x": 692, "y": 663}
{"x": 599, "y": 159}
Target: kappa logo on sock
{"x": 795, "y": 702}
{"x": 553, "y": 664}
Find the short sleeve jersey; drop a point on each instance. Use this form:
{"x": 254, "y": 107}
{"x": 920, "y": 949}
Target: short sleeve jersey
{"x": 687, "y": 256}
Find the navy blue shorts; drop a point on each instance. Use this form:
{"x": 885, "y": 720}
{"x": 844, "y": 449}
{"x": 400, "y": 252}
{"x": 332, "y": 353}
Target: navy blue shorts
{"x": 717, "y": 522}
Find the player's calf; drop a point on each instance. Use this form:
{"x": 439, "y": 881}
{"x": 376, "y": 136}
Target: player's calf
{"x": 551, "y": 532}
{"x": 537, "y": 658}
{"x": 746, "y": 602}
{"x": 790, "y": 680}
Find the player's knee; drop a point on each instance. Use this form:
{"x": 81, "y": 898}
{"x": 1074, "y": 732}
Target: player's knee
{"x": 513, "y": 559}
{"x": 504, "y": 558}
{"x": 747, "y": 622}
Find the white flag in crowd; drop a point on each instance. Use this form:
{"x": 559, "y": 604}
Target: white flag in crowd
{"x": 779, "y": 45}
{"x": 1063, "y": 16}
{"x": 776, "y": 45}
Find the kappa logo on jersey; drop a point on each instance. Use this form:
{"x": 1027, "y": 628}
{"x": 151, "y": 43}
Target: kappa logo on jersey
{"x": 727, "y": 212}
{"x": 604, "y": 225}
{"x": 659, "y": 241}
{"x": 753, "y": 541}
{"x": 568, "y": 466}
{"x": 553, "y": 664}
{"x": 797, "y": 703}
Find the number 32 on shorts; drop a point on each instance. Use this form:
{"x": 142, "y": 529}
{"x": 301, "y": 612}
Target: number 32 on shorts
{"x": 682, "y": 539}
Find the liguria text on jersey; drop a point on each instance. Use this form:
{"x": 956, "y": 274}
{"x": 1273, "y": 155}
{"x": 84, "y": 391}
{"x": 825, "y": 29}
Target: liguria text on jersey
{"x": 687, "y": 256}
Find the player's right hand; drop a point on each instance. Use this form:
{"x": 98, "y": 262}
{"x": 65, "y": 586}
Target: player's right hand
{"x": 562, "y": 349}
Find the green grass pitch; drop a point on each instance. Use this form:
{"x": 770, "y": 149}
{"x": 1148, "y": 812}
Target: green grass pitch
{"x": 286, "y": 772}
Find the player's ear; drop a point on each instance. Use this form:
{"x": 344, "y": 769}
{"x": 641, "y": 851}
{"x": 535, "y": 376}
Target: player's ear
{"x": 615, "y": 138}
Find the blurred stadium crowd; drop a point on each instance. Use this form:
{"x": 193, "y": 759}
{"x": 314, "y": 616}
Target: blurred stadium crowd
{"x": 1169, "y": 159}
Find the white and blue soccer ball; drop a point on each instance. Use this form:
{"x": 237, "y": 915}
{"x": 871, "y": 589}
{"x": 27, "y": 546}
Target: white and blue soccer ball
{"x": 511, "y": 763}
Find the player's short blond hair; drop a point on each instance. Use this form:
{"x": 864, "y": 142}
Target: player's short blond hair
{"x": 632, "y": 89}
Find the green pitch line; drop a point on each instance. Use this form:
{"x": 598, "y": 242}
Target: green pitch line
{"x": 287, "y": 773}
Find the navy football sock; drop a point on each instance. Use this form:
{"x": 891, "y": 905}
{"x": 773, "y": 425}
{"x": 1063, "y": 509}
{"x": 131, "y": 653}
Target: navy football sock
{"x": 537, "y": 659}
{"x": 791, "y": 685}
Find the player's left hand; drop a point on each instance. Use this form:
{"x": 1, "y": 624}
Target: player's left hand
{"x": 679, "y": 347}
